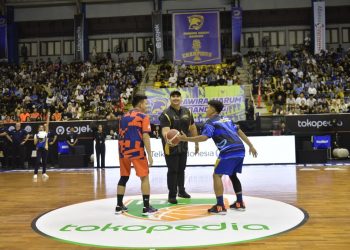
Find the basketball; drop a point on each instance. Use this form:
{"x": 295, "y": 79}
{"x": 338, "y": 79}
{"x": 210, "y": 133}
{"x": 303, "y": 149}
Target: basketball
{"x": 171, "y": 137}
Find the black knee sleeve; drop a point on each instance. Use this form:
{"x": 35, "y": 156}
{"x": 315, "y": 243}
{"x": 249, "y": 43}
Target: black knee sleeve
{"x": 237, "y": 187}
{"x": 123, "y": 180}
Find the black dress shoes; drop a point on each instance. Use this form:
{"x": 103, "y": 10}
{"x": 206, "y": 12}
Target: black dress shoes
{"x": 184, "y": 195}
{"x": 172, "y": 200}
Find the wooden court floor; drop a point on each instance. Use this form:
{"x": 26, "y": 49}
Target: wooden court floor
{"x": 324, "y": 192}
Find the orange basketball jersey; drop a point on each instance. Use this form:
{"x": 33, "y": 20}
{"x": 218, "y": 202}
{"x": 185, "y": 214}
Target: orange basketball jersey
{"x": 131, "y": 127}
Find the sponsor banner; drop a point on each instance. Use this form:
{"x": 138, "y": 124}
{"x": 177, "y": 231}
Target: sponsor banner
{"x": 321, "y": 141}
{"x": 158, "y": 35}
{"x": 318, "y": 123}
{"x": 196, "y": 100}
{"x": 319, "y": 26}
{"x": 3, "y": 37}
{"x": 82, "y": 128}
{"x": 236, "y": 13}
{"x": 186, "y": 225}
{"x": 196, "y": 37}
{"x": 79, "y": 37}
{"x": 271, "y": 150}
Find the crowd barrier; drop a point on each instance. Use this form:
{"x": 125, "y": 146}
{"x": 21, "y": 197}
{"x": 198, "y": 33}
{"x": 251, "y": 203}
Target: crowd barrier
{"x": 303, "y": 127}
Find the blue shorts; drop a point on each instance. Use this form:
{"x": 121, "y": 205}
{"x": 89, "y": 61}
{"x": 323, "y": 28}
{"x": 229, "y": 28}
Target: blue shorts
{"x": 228, "y": 166}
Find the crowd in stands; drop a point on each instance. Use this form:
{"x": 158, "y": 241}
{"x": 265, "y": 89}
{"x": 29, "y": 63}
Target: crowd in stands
{"x": 182, "y": 75}
{"x": 295, "y": 83}
{"x": 96, "y": 89}
{"x": 301, "y": 83}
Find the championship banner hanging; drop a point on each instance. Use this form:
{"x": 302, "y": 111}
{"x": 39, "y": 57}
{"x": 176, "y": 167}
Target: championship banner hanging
{"x": 79, "y": 37}
{"x": 158, "y": 35}
{"x": 236, "y": 28}
{"x": 196, "y": 99}
{"x": 196, "y": 37}
{"x": 319, "y": 26}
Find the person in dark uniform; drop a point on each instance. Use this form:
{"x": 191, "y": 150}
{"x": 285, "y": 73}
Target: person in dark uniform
{"x": 100, "y": 147}
{"x": 52, "y": 138}
{"x": 4, "y": 141}
{"x": 72, "y": 140}
{"x": 18, "y": 139}
{"x": 180, "y": 118}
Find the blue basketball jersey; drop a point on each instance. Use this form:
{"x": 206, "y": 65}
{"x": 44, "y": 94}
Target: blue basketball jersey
{"x": 224, "y": 133}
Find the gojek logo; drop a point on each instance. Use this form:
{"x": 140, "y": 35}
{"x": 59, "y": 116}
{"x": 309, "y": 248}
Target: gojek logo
{"x": 187, "y": 224}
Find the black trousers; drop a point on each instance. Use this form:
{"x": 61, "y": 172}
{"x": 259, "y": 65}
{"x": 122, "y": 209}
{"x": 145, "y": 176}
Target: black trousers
{"x": 52, "y": 154}
{"x": 6, "y": 150}
{"x": 41, "y": 154}
{"x": 100, "y": 154}
{"x": 176, "y": 173}
{"x": 18, "y": 155}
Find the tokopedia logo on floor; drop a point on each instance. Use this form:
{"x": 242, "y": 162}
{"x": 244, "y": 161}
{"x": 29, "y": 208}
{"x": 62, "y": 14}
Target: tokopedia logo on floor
{"x": 161, "y": 228}
{"x": 187, "y": 224}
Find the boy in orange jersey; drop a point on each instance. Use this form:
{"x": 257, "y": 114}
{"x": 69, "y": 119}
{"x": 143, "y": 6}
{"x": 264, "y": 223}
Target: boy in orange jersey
{"x": 134, "y": 129}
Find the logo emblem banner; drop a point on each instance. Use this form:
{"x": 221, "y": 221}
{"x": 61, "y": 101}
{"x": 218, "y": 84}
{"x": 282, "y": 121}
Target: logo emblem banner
{"x": 196, "y": 37}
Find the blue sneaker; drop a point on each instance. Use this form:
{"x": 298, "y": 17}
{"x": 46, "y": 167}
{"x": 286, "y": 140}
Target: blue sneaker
{"x": 149, "y": 210}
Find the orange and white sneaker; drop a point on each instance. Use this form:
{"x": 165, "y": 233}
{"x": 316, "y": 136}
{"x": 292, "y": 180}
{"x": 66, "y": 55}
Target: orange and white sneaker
{"x": 217, "y": 209}
{"x": 239, "y": 206}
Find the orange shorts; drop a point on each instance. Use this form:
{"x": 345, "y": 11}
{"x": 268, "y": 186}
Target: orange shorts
{"x": 141, "y": 166}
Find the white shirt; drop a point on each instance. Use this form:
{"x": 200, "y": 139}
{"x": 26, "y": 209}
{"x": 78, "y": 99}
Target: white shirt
{"x": 50, "y": 100}
{"x": 312, "y": 90}
{"x": 310, "y": 102}
{"x": 172, "y": 79}
{"x": 290, "y": 101}
{"x": 80, "y": 97}
{"x": 299, "y": 99}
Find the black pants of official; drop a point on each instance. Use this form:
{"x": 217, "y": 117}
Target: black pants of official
{"x": 100, "y": 155}
{"x": 176, "y": 173}
{"x": 18, "y": 155}
{"x": 41, "y": 154}
{"x": 6, "y": 150}
{"x": 52, "y": 154}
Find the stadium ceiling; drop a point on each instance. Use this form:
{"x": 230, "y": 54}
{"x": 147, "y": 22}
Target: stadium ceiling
{"x": 37, "y": 3}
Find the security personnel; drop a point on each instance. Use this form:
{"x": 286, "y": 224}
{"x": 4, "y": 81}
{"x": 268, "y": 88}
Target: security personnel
{"x": 100, "y": 147}
{"x": 4, "y": 139}
{"x": 18, "y": 138}
{"x": 180, "y": 118}
{"x": 72, "y": 140}
{"x": 52, "y": 154}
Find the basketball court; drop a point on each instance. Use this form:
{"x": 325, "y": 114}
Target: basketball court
{"x": 288, "y": 207}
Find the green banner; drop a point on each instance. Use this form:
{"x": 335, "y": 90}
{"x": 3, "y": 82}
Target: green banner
{"x": 196, "y": 99}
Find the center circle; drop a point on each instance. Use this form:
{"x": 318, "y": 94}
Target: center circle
{"x": 187, "y": 224}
